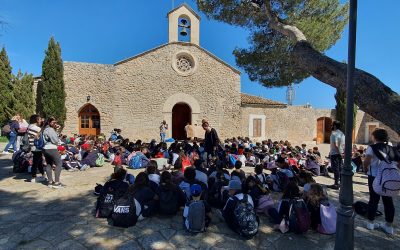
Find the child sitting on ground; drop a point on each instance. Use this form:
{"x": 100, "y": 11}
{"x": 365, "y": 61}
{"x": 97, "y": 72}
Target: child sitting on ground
{"x": 154, "y": 177}
{"x": 238, "y": 172}
{"x": 197, "y": 213}
{"x": 246, "y": 222}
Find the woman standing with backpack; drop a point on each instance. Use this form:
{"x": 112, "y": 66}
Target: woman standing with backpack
{"x": 378, "y": 152}
{"x": 12, "y": 136}
{"x": 34, "y": 128}
{"x": 51, "y": 153}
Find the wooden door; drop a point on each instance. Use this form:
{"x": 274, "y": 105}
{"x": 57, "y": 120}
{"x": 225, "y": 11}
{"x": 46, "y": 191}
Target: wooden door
{"x": 181, "y": 116}
{"x": 320, "y": 130}
{"x": 89, "y": 121}
{"x": 371, "y": 129}
{"x": 256, "y": 127}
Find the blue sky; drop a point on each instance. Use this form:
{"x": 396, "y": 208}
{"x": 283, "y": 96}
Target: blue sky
{"x": 107, "y": 31}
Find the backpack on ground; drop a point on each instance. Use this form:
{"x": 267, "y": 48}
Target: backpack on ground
{"x": 39, "y": 141}
{"x": 6, "y": 130}
{"x": 196, "y": 219}
{"x": 25, "y": 145}
{"x": 105, "y": 202}
{"x": 124, "y": 212}
{"x": 328, "y": 219}
{"x": 168, "y": 202}
{"x": 361, "y": 208}
{"x": 299, "y": 217}
{"x": 21, "y": 161}
{"x": 100, "y": 160}
{"x": 245, "y": 217}
{"x": 387, "y": 180}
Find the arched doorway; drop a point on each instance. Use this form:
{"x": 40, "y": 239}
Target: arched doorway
{"x": 181, "y": 116}
{"x": 324, "y": 129}
{"x": 89, "y": 120}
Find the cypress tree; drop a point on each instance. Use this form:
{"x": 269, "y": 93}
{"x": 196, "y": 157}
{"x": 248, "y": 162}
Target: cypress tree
{"x": 340, "y": 108}
{"x": 6, "y": 88}
{"x": 53, "y": 93}
{"x": 24, "y": 102}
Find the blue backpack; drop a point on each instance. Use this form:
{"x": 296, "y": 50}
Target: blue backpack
{"x": 138, "y": 161}
{"x": 39, "y": 142}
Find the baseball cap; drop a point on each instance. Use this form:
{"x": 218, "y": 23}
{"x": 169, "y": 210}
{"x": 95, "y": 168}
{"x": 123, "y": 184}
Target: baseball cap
{"x": 195, "y": 190}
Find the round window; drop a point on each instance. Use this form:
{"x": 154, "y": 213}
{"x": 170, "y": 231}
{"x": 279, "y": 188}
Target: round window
{"x": 184, "y": 63}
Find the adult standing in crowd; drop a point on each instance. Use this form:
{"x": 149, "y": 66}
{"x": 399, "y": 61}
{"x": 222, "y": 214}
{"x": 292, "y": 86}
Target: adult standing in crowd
{"x": 337, "y": 140}
{"x": 34, "y": 128}
{"x": 163, "y": 130}
{"x": 23, "y": 127}
{"x": 211, "y": 139}
{"x": 379, "y": 151}
{"x": 51, "y": 153}
{"x": 12, "y": 136}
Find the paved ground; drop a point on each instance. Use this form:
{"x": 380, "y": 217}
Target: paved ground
{"x": 33, "y": 216}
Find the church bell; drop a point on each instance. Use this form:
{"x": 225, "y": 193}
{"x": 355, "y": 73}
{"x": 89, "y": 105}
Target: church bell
{"x": 183, "y": 31}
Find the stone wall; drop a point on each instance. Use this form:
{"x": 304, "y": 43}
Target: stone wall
{"x": 363, "y": 119}
{"x": 88, "y": 79}
{"x": 295, "y": 123}
{"x": 133, "y": 94}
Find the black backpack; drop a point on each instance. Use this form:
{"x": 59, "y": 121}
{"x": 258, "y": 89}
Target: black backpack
{"x": 168, "y": 201}
{"x": 245, "y": 217}
{"x": 361, "y": 208}
{"x": 215, "y": 195}
{"x": 124, "y": 212}
{"x": 26, "y": 146}
{"x": 105, "y": 202}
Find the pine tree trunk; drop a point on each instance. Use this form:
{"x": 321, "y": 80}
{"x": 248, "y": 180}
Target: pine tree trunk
{"x": 370, "y": 94}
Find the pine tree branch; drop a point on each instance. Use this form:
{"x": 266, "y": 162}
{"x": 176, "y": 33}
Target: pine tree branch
{"x": 290, "y": 31}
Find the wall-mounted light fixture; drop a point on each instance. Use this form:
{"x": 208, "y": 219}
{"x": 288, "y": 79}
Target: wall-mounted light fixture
{"x": 88, "y": 98}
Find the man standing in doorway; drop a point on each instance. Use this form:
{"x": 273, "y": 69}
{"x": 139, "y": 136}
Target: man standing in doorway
{"x": 336, "y": 150}
{"x": 163, "y": 130}
{"x": 211, "y": 140}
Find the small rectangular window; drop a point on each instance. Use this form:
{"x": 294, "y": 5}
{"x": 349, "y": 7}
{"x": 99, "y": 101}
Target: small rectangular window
{"x": 257, "y": 127}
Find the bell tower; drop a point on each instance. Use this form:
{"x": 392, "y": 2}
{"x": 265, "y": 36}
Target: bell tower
{"x": 184, "y": 21}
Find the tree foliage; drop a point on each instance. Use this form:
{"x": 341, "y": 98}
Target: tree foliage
{"x": 6, "y": 88}
{"x": 53, "y": 93}
{"x": 269, "y": 58}
{"x": 24, "y": 101}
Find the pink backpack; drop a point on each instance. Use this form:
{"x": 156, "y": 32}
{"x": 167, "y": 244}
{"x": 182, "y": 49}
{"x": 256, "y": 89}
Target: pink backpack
{"x": 328, "y": 219}
{"x": 264, "y": 203}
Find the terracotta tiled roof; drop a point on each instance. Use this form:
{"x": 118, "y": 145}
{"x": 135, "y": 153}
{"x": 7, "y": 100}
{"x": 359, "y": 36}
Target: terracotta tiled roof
{"x": 259, "y": 101}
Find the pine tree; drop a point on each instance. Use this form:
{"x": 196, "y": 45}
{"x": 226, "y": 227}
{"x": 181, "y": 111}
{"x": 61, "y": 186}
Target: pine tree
{"x": 6, "y": 88}
{"x": 53, "y": 93}
{"x": 288, "y": 39}
{"x": 24, "y": 102}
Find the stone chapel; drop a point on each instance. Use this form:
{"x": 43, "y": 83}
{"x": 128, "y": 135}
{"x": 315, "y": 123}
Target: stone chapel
{"x": 181, "y": 82}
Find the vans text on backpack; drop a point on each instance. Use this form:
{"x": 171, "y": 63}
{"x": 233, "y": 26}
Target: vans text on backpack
{"x": 124, "y": 213}
{"x": 246, "y": 218}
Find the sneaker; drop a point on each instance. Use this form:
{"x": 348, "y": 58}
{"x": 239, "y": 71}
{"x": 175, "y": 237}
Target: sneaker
{"x": 84, "y": 167}
{"x": 371, "y": 226}
{"x": 387, "y": 229}
{"x": 58, "y": 185}
{"x": 50, "y": 184}
{"x": 40, "y": 179}
{"x": 33, "y": 180}
{"x": 5, "y": 153}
